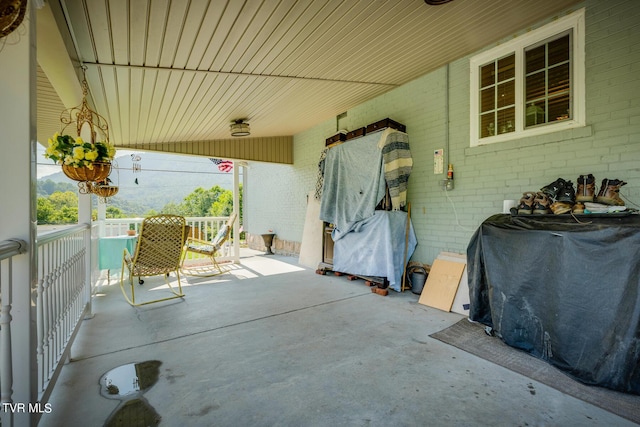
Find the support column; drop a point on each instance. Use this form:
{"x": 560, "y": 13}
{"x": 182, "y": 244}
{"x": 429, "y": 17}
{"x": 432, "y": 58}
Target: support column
{"x": 84, "y": 217}
{"x": 102, "y": 216}
{"x": 18, "y": 208}
{"x": 236, "y": 209}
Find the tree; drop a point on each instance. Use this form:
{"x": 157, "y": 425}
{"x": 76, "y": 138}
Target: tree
{"x": 223, "y": 206}
{"x": 114, "y": 212}
{"x": 60, "y": 200}
{"x": 66, "y": 215}
{"x": 172, "y": 208}
{"x": 48, "y": 187}
{"x": 58, "y": 208}
{"x": 199, "y": 201}
{"x": 44, "y": 210}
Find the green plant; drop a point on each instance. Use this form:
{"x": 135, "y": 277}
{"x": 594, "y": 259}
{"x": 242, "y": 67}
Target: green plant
{"x": 65, "y": 150}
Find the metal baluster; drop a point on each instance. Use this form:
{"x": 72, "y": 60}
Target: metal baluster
{"x": 40, "y": 318}
{"x": 6, "y": 374}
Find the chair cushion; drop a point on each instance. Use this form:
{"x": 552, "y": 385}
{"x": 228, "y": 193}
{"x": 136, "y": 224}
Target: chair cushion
{"x": 220, "y": 236}
{"x": 201, "y": 247}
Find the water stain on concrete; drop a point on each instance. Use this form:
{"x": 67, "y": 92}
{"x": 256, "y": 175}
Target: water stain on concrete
{"x": 127, "y": 383}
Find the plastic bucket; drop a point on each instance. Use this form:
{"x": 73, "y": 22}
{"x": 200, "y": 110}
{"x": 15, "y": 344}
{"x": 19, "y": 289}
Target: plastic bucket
{"x": 417, "y": 281}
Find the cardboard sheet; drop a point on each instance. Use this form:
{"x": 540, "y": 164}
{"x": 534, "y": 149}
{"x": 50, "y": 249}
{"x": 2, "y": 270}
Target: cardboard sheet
{"x": 461, "y": 301}
{"x": 442, "y": 284}
{"x": 311, "y": 246}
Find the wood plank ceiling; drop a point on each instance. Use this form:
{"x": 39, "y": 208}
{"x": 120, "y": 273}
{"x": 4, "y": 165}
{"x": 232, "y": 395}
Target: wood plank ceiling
{"x": 171, "y": 73}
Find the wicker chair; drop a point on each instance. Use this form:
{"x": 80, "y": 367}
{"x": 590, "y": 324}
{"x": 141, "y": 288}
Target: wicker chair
{"x": 157, "y": 253}
{"x": 209, "y": 249}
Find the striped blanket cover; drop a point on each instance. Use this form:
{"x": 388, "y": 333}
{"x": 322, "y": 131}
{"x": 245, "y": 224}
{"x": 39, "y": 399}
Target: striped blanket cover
{"x": 398, "y": 163}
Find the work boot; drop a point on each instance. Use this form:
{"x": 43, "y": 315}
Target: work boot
{"x": 561, "y": 207}
{"x": 567, "y": 193}
{"x": 554, "y": 188}
{"x": 578, "y": 208}
{"x": 525, "y": 207}
{"x": 541, "y": 203}
{"x": 586, "y": 188}
{"x": 610, "y": 192}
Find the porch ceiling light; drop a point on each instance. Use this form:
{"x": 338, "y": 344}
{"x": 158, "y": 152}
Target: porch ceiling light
{"x": 436, "y": 2}
{"x": 240, "y": 128}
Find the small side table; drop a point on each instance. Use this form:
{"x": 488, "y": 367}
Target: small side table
{"x": 110, "y": 251}
{"x": 268, "y": 241}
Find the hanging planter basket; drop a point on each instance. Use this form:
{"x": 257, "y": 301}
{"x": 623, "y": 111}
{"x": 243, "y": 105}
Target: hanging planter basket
{"x": 99, "y": 172}
{"x": 104, "y": 190}
{"x": 91, "y": 147}
{"x": 11, "y": 15}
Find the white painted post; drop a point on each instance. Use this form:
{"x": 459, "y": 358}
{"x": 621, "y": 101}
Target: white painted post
{"x": 236, "y": 209}
{"x": 84, "y": 217}
{"x": 102, "y": 215}
{"x": 18, "y": 209}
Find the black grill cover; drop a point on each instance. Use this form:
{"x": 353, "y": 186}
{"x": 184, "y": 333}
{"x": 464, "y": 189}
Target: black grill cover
{"x": 564, "y": 289}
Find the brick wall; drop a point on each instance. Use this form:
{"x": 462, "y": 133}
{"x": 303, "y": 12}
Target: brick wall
{"x": 277, "y": 194}
{"x": 608, "y": 147}
{"x": 279, "y": 246}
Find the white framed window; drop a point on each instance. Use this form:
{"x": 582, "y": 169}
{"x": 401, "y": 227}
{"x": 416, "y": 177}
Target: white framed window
{"x": 531, "y": 85}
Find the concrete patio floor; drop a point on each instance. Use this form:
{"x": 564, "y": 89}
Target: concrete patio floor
{"x": 274, "y": 344}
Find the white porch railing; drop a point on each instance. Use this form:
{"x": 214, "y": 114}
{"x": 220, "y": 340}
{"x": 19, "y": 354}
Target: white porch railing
{"x": 63, "y": 298}
{"x": 8, "y": 249}
{"x": 66, "y": 261}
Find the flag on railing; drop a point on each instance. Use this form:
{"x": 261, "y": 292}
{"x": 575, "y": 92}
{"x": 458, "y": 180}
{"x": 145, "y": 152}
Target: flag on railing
{"x": 223, "y": 165}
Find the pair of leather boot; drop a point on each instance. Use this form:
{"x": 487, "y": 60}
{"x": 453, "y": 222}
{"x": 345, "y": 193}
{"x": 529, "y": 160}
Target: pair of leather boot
{"x": 560, "y": 191}
{"x": 609, "y": 193}
{"x": 534, "y": 202}
{"x": 586, "y": 188}
{"x": 565, "y": 199}
{"x": 561, "y": 194}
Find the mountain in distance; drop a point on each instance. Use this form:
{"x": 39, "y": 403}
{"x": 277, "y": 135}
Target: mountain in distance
{"x": 151, "y": 180}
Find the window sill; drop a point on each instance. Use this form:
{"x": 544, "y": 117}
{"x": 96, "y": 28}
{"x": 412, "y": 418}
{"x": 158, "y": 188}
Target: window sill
{"x": 533, "y": 140}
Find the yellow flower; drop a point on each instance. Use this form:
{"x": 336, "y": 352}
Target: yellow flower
{"x": 78, "y": 153}
{"x": 67, "y": 150}
{"x": 91, "y": 155}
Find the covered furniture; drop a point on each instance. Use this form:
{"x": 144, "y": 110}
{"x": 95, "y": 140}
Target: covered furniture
{"x": 358, "y": 177}
{"x": 376, "y": 247}
{"x": 158, "y": 252}
{"x": 208, "y": 248}
{"x": 567, "y": 292}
